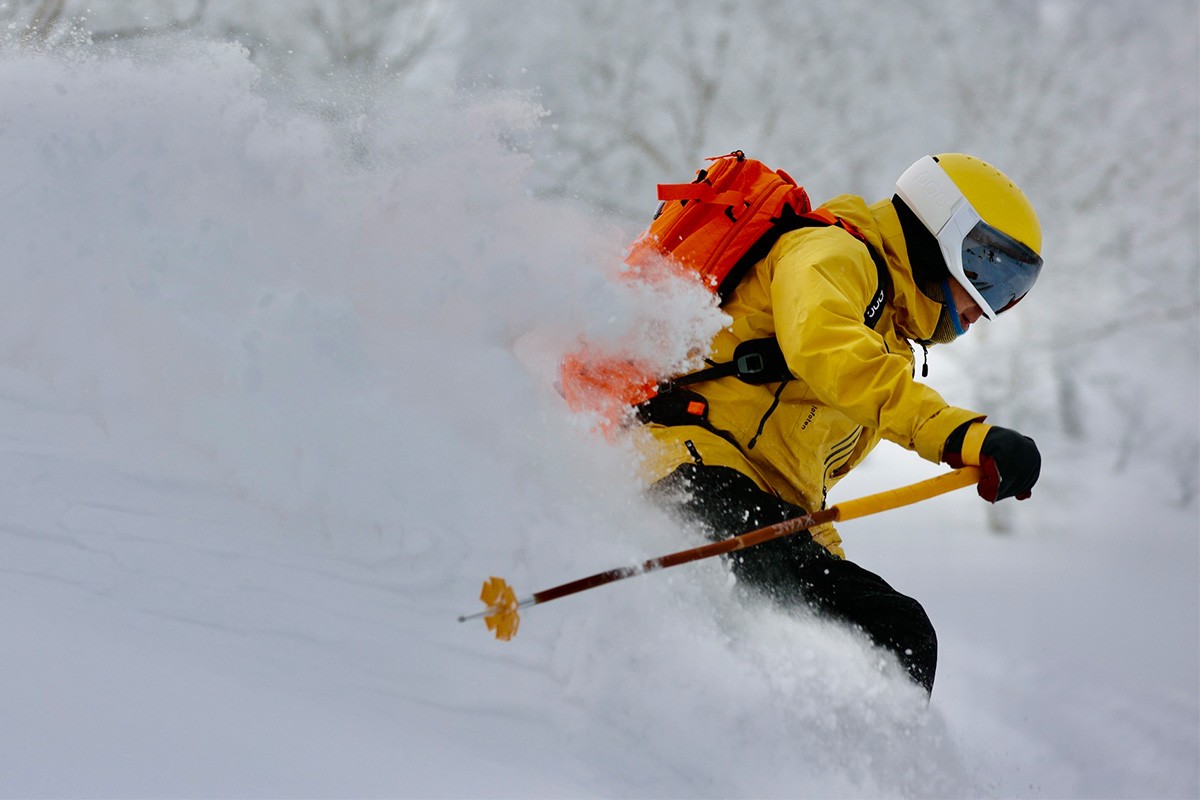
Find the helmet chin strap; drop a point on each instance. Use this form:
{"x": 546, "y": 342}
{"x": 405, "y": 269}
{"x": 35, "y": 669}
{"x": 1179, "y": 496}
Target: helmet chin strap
{"x": 952, "y": 307}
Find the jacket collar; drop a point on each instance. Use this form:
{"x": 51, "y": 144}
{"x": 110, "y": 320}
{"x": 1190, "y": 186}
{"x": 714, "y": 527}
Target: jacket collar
{"x": 916, "y": 314}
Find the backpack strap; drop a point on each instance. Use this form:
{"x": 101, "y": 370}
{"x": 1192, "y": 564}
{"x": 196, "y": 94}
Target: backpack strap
{"x": 759, "y": 361}
{"x": 755, "y": 361}
{"x": 789, "y": 220}
{"x": 875, "y": 309}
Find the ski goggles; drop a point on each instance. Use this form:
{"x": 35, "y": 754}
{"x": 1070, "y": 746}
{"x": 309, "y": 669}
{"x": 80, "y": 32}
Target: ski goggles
{"x": 995, "y": 269}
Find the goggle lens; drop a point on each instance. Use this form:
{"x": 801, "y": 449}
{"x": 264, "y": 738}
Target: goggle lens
{"x": 1002, "y": 269}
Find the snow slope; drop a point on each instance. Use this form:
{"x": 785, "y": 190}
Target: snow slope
{"x": 269, "y": 415}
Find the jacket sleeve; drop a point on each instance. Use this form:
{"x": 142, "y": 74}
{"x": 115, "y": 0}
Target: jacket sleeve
{"x": 820, "y": 287}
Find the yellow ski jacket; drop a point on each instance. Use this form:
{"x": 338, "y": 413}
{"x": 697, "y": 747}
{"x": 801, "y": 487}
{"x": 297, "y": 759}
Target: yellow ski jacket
{"x": 853, "y": 384}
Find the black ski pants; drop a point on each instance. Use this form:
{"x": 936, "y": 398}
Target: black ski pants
{"x": 795, "y": 569}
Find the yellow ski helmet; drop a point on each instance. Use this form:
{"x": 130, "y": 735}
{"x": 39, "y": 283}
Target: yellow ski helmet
{"x": 985, "y": 226}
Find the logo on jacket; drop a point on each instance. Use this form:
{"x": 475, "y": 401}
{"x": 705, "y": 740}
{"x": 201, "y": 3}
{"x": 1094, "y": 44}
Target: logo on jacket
{"x": 875, "y": 309}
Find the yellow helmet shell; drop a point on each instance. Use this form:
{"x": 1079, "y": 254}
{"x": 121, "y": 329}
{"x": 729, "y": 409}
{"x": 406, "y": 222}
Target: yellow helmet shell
{"x": 998, "y": 200}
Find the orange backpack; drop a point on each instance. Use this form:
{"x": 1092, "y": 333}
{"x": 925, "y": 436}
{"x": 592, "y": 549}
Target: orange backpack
{"x": 715, "y": 228}
{"x": 718, "y": 225}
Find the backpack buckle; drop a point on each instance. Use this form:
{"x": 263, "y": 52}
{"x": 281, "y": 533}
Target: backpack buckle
{"x": 751, "y": 364}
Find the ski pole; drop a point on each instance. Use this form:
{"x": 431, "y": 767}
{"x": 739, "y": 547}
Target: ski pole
{"x": 502, "y": 603}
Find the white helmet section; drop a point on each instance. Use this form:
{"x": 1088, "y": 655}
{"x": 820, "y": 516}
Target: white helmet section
{"x": 941, "y": 206}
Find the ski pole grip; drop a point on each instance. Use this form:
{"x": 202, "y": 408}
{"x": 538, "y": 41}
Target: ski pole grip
{"x": 907, "y": 495}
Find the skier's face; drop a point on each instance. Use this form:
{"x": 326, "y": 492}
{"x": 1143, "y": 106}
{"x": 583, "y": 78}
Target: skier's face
{"x": 968, "y": 309}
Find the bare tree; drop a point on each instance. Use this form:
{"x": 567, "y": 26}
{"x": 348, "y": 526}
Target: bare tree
{"x": 308, "y": 42}
{"x": 385, "y": 36}
{"x": 43, "y": 18}
{"x": 43, "y": 21}
{"x": 174, "y": 24}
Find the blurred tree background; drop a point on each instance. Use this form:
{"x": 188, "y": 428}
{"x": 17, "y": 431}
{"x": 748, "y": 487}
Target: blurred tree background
{"x": 1092, "y": 106}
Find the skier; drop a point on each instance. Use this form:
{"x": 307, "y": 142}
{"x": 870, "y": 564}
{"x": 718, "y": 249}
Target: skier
{"x": 958, "y": 241}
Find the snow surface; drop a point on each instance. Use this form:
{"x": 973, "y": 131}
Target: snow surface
{"x": 269, "y": 417}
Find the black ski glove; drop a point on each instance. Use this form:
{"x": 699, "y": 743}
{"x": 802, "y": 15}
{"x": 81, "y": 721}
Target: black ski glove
{"x": 1010, "y": 462}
